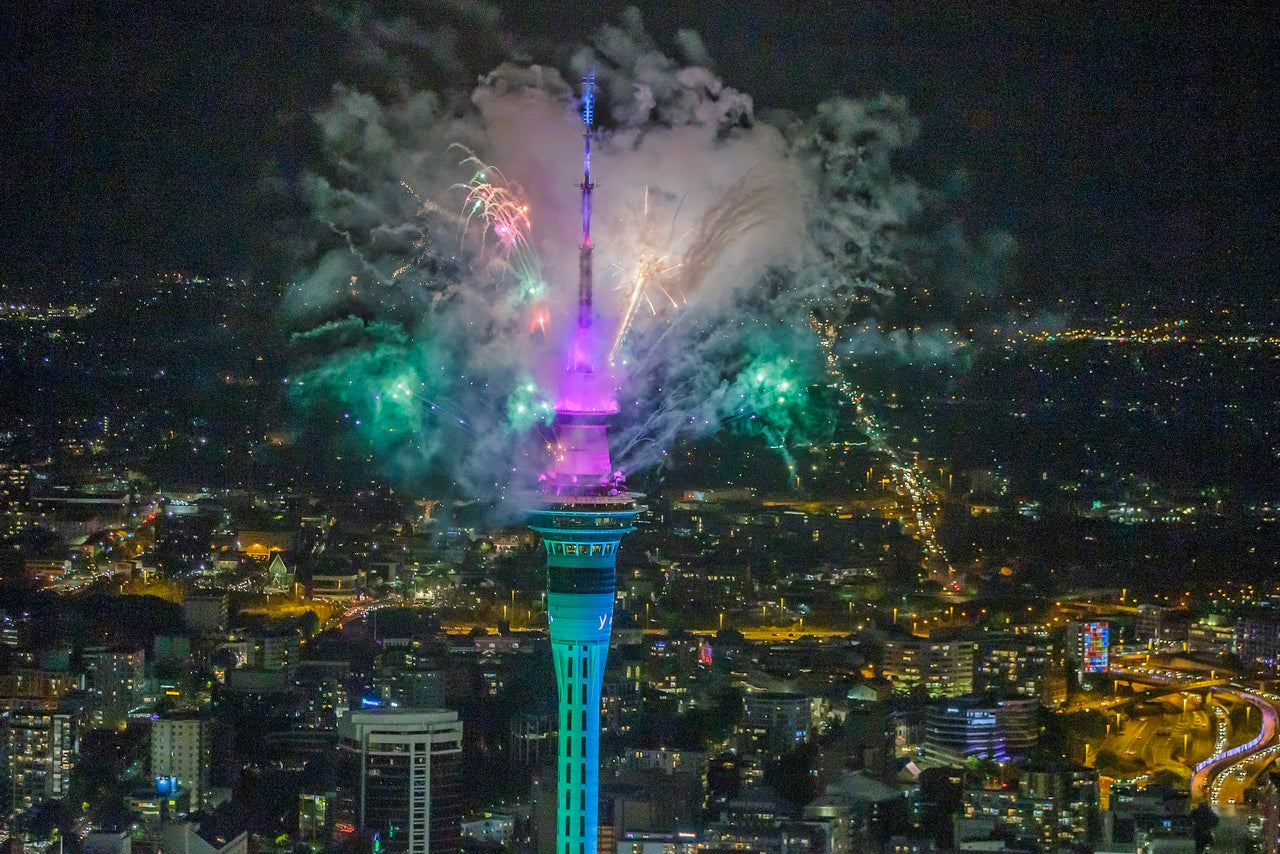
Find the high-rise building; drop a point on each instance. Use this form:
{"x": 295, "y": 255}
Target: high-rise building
{"x": 314, "y": 817}
{"x": 40, "y": 716}
{"x": 584, "y": 513}
{"x": 277, "y": 651}
{"x": 944, "y": 667}
{"x": 180, "y": 749}
{"x": 1257, "y": 638}
{"x": 1090, "y": 645}
{"x": 773, "y": 723}
{"x": 41, "y": 745}
{"x": 1157, "y": 626}
{"x": 1014, "y": 663}
{"x": 117, "y": 686}
{"x": 403, "y": 777}
{"x": 15, "y": 494}
{"x": 1058, "y": 809}
{"x": 532, "y": 736}
{"x": 206, "y": 613}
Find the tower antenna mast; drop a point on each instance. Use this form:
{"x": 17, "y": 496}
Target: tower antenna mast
{"x": 584, "y": 251}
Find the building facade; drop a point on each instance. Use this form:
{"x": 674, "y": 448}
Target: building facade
{"x": 180, "y": 749}
{"x": 773, "y": 724}
{"x": 403, "y": 777}
{"x": 943, "y": 667}
{"x": 118, "y": 685}
{"x": 1002, "y": 730}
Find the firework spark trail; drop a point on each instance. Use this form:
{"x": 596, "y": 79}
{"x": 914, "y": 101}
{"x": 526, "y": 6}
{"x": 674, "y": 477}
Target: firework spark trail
{"x": 742, "y": 208}
{"x": 357, "y": 253}
{"x": 423, "y": 249}
{"x": 501, "y": 206}
{"x": 409, "y": 189}
{"x": 498, "y": 203}
{"x": 653, "y": 261}
{"x": 647, "y": 272}
{"x": 421, "y": 244}
{"x": 433, "y": 405}
{"x": 779, "y": 444}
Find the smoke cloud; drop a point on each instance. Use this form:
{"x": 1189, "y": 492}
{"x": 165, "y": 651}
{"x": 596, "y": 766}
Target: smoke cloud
{"x": 738, "y": 261}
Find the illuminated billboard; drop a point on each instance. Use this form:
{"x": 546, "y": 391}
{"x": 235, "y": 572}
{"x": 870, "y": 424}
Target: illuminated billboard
{"x": 1095, "y": 639}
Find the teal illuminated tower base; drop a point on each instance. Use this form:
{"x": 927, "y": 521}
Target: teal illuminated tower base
{"x": 581, "y": 536}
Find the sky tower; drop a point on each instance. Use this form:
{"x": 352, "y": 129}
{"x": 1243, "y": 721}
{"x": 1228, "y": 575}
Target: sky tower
{"x": 584, "y": 513}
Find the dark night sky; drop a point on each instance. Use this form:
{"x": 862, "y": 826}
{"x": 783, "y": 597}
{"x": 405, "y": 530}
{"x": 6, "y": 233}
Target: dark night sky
{"x": 1127, "y": 147}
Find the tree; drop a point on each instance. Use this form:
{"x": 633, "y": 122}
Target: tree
{"x": 942, "y": 794}
{"x": 44, "y": 818}
{"x": 793, "y": 777}
{"x": 1203, "y": 821}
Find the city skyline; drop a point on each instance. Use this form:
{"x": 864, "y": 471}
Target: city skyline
{"x": 922, "y": 358}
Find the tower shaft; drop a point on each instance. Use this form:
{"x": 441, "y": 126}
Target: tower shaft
{"x": 584, "y": 287}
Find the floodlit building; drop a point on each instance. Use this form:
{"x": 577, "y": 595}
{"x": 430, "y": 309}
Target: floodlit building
{"x": 955, "y": 730}
{"x": 1090, "y": 645}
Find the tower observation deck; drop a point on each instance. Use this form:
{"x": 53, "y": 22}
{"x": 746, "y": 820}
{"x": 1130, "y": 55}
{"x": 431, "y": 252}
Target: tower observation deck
{"x": 585, "y": 512}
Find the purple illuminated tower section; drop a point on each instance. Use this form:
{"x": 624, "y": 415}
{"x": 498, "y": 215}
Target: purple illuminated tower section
{"x": 585, "y": 512}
